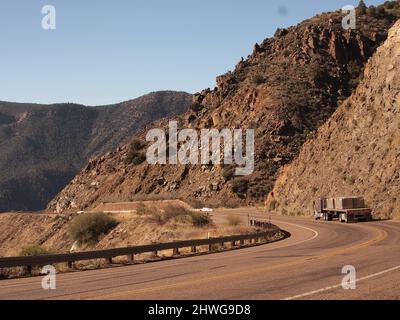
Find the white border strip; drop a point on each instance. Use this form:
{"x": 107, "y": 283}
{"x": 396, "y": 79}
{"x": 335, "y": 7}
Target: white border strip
{"x": 340, "y": 285}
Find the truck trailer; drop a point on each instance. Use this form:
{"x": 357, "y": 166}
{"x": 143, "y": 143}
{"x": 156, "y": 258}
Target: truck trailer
{"x": 344, "y": 209}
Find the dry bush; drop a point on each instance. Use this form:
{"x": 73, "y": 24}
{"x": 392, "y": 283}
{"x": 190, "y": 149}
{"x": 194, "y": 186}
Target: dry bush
{"x": 200, "y": 219}
{"x": 89, "y": 227}
{"x": 195, "y": 203}
{"x": 35, "y": 250}
{"x": 173, "y": 211}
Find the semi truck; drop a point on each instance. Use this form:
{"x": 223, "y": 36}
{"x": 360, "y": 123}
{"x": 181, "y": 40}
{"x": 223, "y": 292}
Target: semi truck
{"x": 344, "y": 209}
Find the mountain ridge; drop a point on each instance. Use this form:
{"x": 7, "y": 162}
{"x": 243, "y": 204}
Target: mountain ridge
{"x": 285, "y": 90}
{"x": 45, "y": 146}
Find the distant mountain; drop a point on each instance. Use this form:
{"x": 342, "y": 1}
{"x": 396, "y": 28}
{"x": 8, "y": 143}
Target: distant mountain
{"x": 357, "y": 151}
{"x": 286, "y": 89}
{"x": 44, "y": 146}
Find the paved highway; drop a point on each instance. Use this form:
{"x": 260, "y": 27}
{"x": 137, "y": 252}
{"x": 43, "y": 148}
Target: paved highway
{"x": 307, "y": 265}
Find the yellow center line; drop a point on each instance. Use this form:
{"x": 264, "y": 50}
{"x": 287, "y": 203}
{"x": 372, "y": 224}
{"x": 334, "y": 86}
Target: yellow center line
{"x": 381, "y": 235}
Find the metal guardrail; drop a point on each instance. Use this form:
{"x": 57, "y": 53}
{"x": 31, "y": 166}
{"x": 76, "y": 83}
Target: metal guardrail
{"x": 109, "y": 254}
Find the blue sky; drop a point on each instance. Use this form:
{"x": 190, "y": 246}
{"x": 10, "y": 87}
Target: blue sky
{"x": 107, "y": 51}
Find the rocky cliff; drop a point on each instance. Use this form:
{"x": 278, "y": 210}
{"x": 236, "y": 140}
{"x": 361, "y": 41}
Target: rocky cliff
{"x": 357, "y": 151}
{"x": 285, "y": 90}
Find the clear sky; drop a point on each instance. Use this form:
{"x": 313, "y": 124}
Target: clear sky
{"x": 106, "y": 51}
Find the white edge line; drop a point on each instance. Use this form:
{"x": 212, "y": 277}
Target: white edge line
{"x": 374, "y": 275}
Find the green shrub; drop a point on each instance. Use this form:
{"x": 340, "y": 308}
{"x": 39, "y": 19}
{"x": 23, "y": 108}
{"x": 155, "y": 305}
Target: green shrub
{"x": 196, "y": 107}
{"x": 135, "y": 155}
{"x": 35, "y": 250}
{"x": 137, "y": 145}
{"x": 240, "y": 187}
{"x": 258, "y": 79}
{"x": 228, "y": 172}
{"x": 135, "y": 158}
{"x": 89, "y": 227}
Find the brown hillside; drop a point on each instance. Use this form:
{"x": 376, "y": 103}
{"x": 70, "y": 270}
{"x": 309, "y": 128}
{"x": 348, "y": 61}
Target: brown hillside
{"x": 44, "y": 146}
{"x": 286, "y": 89}
{"x": 357, "y": 151}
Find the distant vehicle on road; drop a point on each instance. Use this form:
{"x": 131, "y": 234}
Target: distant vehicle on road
{"x": 344, "y": 209}
{"x": 208, "y": 210}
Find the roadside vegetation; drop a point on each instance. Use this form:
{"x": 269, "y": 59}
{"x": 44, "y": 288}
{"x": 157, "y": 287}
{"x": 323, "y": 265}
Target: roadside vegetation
{"x": 174, "y": 213}
{"x": 35, "y": 250}
{"x": 89, "y": 227}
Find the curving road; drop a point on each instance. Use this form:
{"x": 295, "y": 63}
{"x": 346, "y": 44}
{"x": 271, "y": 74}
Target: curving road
{"x": 307, "y": 265}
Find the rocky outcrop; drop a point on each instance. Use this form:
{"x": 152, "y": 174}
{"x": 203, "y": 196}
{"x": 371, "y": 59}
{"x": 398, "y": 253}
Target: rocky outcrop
{"x": 286, "y": 89}
{"x": 357, "y": 151}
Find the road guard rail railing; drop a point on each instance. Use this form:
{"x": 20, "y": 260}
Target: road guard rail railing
{"x": 70, "y": 258}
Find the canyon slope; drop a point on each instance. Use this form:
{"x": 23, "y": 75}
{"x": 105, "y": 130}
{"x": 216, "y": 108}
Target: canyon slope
{"x": 357, "y": 151}
{"x": 44, "y": 146}
{"x": 285, "y": 90}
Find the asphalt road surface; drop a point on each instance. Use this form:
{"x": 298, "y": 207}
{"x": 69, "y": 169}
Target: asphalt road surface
{"x": 308, "y": 265}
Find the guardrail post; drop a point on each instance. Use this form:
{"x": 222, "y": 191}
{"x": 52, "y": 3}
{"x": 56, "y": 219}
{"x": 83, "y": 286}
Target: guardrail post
{"x": 176, "y": 252}
{"x": 29, "y": 269}
{"x": 155, "y": 253}
{"x": 109, "y": 260}
{"x": 131, "y": 257}
{"x": 210, "y": 247}
{"x": 194, "y": 249}
{"x": 233, "y": 243}
{"x": 242, "y": 242}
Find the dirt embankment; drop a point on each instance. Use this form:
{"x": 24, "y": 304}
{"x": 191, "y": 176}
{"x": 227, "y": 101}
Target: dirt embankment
{"x": 19, "y": 230}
